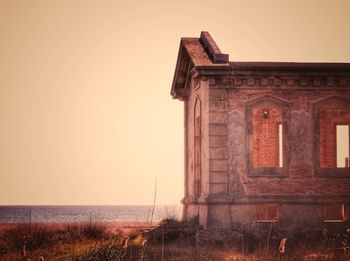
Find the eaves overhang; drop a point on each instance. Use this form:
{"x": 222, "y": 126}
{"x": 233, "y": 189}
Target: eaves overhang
{"x": 196, "y": 54}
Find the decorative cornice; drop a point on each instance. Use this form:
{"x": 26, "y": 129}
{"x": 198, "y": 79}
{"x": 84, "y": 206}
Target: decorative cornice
{"x": 283, "y": 81}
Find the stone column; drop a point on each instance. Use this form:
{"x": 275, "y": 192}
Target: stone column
{"x": 217, "y": 152}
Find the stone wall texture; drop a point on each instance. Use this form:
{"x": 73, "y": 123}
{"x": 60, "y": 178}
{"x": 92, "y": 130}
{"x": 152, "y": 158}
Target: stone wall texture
{"x": 301, "y": 177}
{"x": 237, "y": 169}
{"x": 229, "y": 193}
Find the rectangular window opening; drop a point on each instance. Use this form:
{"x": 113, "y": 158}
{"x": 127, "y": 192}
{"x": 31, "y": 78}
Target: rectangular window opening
{"x": 334, "y": 213}
{"x": 267, "y": 213}
{"x": 334, "y": 139}
{"x": 267, "y": 138}
{"x": 342, "y": 146}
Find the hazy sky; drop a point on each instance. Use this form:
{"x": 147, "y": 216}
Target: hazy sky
{"x": 85, "y": 111}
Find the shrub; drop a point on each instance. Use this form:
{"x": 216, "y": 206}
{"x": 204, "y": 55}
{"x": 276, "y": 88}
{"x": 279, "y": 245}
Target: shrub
{"x": 94, "y": 230}
{"x": 106, "y": 252}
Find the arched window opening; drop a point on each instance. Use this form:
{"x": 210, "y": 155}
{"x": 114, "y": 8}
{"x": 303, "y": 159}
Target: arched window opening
{"x": 268, "y": 138}
{"x": 197, "y": 149}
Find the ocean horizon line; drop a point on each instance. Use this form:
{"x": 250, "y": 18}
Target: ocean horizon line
{"x": 88, "y": 205}
{"x": 67, "y": 213}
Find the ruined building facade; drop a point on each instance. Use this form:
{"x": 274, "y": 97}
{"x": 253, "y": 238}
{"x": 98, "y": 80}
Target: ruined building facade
{"x": 264, "y": 141}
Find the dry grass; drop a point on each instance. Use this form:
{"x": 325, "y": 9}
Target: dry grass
{"x": 62, "y": 241}
{"x": 171, "y": 240}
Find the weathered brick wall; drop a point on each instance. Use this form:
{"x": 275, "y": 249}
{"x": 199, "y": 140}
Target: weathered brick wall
{"x": 301, "y": 178}
{"x": 224, "y": 142}
{"x": 239, "y": 167}
{"x": 328, "y": 120}
{"x": 265, "y": 137}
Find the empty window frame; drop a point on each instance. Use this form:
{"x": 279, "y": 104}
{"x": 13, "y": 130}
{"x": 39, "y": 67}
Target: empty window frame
{"x": 334, "y": 137}
{"x": 267, "y": 137}
{"x": 268, "y": 212}
{"x": 334, "y": 213}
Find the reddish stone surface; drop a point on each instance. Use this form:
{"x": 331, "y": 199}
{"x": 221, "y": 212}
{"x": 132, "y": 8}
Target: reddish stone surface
{"x": 265, "y": 137}
{"x": 301, "y": 179}
{"x": 236, "y": 139}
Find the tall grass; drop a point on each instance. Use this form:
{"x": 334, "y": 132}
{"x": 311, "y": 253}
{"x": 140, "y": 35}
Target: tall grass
{"x": 26, "y": 238}
{"x": 173, "y": 240}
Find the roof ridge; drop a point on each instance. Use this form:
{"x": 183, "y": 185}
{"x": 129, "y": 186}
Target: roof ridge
{"x": 212, "y": 49}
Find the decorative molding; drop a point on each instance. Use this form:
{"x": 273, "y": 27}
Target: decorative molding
{"x": 196, "y": 83}
{"x": 320, "y": 199}
{"x": 283, "y": 81}
{"x": 212, "y": 82}
{"x": 276, "y": 81}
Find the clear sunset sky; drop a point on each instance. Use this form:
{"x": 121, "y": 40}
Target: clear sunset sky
{"x": 85, "y": 111}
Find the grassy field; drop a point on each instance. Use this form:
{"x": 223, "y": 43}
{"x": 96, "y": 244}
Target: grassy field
{"x": 170, "y": 240}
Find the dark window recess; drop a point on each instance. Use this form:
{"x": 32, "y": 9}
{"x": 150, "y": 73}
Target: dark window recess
{"x": 197, "y": 150}
{"x": 334, "y": 213}
{"x": 197, "y": 156}
{"x": 267, "y": 213}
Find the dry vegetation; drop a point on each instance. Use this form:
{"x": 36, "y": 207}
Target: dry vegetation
{"x": 171, "y": 240}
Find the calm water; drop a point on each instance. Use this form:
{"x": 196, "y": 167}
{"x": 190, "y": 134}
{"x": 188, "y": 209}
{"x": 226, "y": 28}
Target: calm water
{"x": 20, "y": 214}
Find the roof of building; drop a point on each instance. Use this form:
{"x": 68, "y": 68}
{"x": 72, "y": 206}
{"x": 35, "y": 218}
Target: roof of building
{"x": 203, "y": 55}
{"x": 199, "y": 53}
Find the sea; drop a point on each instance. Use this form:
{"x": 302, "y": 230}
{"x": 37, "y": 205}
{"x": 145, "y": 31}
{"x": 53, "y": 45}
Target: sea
{"x": 48, "y": 214}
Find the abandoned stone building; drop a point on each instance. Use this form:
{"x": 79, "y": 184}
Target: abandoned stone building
{"x": 264, "y": 141}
